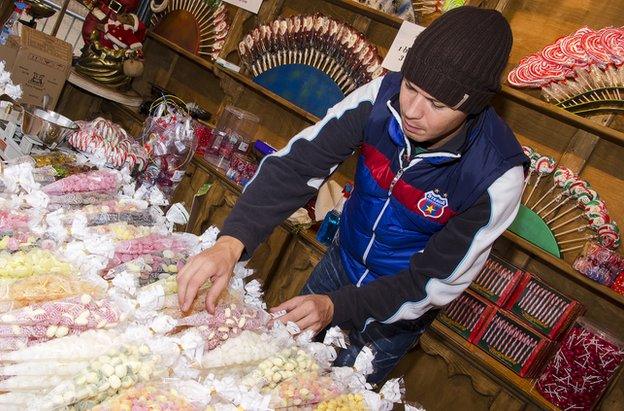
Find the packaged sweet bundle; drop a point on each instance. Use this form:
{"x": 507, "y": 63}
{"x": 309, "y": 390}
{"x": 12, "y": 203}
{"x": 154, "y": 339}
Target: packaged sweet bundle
{"x": 106, "y": 376}
{"x": 15, "y": 231}
{"x": 166, "y": 396}
{"x": 599, "y": 263}
{"x": 54, "y": 319}
{"x": 35, "y": 261}
{"x": 111, "y": 142}
{"x": 170, "y": 141}
{"x": 46, "y": 287}
{"x": 152, "y": 244}
{"x": 99, "y": 181}
{"x": 579, "y": 373}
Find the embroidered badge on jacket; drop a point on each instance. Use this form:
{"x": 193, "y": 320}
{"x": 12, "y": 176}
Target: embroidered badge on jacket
{"x": 432, "y": 204}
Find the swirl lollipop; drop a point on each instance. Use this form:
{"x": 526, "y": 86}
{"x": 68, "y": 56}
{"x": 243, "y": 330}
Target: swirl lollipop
{"x": 544, "y": 166}
{"x": 609, "y": 235}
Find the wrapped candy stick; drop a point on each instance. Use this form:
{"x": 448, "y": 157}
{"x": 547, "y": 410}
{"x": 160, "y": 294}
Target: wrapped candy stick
{"x": 544, "y": 166}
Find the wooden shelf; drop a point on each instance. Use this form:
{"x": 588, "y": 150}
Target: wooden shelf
{"x": 246, "y": 81}
{"x": 523, "y": 387}
{"x": 181, "y": 51}
{"x": 369, "y": 12}
{"x": 268, "y": 93}
{"x": 554, "y": 112}
{"x": 566, "y": 270}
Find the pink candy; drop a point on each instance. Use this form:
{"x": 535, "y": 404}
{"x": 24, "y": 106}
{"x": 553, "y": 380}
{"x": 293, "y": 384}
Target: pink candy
{"x": 229, "y": 320}
{"x": 102, "y": 181}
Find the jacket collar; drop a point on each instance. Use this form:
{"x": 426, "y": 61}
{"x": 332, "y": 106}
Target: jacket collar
{"x": 451, "y": 150}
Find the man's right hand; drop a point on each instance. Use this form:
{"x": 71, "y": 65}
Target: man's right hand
{"x": 215, "y": 264}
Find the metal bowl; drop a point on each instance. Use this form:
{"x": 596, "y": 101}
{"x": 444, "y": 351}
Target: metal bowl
{"x": 45, "y": 126}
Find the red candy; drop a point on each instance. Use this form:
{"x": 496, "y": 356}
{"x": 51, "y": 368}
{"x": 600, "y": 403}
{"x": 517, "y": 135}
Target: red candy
{"x": 580, "y": 371}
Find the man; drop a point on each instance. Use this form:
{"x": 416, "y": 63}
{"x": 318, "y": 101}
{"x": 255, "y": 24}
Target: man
{"x": 439, "y": 178}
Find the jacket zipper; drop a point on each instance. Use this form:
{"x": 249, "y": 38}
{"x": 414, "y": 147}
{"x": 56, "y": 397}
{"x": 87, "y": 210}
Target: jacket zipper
{"x": 396, "y": 178}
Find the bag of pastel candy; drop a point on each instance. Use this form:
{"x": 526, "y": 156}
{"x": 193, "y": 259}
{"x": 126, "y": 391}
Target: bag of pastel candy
{"x": 306, "y": 389}
{"x": 118, "y": 369}
{"x": 169, "y": 394}
{"x": 599, "y": 263}
{"x": 580, "y": 371}
{"x": 98, "y": 181}
{"x": 47, "y": 287}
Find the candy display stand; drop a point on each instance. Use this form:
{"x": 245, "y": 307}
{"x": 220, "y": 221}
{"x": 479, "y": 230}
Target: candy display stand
{"x": 305, "y": 86}
{"x": 532, "y": 228}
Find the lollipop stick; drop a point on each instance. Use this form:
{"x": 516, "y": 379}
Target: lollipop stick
{"x": 554, "y": 200}
{"x": 566, "y": 222}
{"x": 576, "y": 240}
{"x": 543, "y": 197}
{"x": 539, "y": 176}
{"x": 578, "y": 247}
{"x": 561, "y": 204}
{"x": 572, "y": 230}
{"x": 526, "y": 182}
{"x": 569, "y": 210}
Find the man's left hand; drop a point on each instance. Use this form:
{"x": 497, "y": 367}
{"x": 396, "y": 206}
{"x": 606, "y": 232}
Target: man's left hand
{"x": 310, "y": 312}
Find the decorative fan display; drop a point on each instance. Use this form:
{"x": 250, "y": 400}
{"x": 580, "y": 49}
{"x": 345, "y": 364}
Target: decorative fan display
{"x": 433, "y": 6}
{"x": 568, "y": 206}
{"x": 331, "y": 46}
{"x": 199, "y": 26}
{"x": 582, "y": 73}
{"x": 400, "y": 8}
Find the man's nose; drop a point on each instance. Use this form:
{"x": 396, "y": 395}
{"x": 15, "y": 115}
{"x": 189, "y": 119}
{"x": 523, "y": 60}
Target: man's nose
{"x": 416, "y": 107}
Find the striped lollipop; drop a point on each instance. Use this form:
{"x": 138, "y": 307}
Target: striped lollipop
{"x": 544, "y": 166}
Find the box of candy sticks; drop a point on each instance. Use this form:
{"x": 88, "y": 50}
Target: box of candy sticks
{"x": 497, "y": 280}
{"x": 466, "y": 314}
{"x": 513, "y": 344}
{"x": 542, "y": 307}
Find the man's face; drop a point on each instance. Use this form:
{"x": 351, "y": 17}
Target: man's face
{"x": 424, "y": 118}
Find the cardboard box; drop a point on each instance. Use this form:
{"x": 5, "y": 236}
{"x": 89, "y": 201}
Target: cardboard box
{"x": 39, "y": 63}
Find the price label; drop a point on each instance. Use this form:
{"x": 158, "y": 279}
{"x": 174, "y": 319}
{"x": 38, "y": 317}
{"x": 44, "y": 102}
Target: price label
{"x": 249, "y": 5}
{"x": 401, "y": 44}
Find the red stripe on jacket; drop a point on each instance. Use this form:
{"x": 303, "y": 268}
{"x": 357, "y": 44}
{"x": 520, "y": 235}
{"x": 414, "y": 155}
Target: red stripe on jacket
{"x": 379, "y": 167}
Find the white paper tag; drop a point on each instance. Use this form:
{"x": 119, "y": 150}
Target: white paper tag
{"x": 401, "y": 44}
{"x": 249, "y": 5}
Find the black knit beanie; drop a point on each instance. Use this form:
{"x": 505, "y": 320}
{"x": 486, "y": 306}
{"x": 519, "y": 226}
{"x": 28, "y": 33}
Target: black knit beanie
{"x": 459, "y": 58}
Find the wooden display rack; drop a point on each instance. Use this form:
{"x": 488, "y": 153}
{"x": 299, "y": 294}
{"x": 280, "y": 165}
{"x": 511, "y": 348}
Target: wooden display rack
{"x": 594, "y": 148}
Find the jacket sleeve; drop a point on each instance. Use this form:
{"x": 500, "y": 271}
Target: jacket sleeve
{"x": 449, "y": 263}
{"x": 287, "y": 179}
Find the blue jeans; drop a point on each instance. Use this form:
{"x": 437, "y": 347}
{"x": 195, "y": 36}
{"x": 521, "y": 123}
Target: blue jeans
{"x": 390, "y": 342}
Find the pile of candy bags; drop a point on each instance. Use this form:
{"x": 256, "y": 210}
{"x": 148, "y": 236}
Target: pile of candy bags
{"x": 89, "y": 316}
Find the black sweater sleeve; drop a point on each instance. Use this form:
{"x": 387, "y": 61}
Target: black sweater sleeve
{"x": 287, "y": 179}
{"x": 451, "y": 260}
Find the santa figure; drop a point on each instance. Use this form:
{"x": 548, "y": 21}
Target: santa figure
{"x": 126, "y": 32}
{"x": 101, "y": 11}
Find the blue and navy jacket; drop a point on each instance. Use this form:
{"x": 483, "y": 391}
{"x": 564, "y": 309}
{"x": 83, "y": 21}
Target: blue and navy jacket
{"x": 417, "y": 228}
